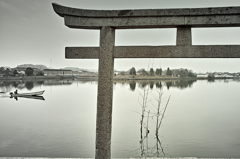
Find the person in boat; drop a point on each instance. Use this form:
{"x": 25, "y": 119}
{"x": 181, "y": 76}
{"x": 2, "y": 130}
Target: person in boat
{"x": 15, "y": 92}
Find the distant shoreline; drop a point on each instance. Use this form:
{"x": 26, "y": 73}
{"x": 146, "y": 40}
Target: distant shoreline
{"x": 45, "y": 78}
{"x": 115, "y": 78}
{"x": 163, "y": 78}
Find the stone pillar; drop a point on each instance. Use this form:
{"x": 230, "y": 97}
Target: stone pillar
{"x": 105, "y": 94}
{"x": 184, "y": 35}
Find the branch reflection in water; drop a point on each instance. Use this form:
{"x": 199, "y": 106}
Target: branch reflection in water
{"x": 156, "y": 116}
{"x": 153, "y": 110}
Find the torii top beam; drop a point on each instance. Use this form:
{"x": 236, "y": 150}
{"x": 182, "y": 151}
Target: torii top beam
{"x": 149, "y": 18}
{"x": 154, "y": 18}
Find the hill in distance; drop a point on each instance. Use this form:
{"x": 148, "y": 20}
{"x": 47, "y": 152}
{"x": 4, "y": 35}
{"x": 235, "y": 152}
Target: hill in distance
{"x": 78, "y": 69}
{"x": 41, "y": 67}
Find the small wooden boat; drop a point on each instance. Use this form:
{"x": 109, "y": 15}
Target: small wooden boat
{"x": 28, "y": 94}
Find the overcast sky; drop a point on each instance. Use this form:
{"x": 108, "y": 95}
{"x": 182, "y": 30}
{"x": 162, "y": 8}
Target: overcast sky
{"x": 32, "y": 33}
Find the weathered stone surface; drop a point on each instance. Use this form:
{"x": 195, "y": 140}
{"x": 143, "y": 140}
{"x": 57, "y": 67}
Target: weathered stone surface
{"x": 105, "y": 93}
{"x": 153, "y": 22}
{"x": 213, "y": 21}
{"x": 215, "y": 11}
{"x": 149, "y": 18}
{"x": 82, "y": 52}
{"x": 184, "y": 51}
{"x": 62, "y": 10}
{"x": 195, "y": 51}
{"x": 184, "y": 36}
{"x": 123, "y": 23}
{"x": 112, "y": 158}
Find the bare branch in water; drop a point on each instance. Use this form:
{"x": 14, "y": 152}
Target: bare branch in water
{"x": 163, "y": 113}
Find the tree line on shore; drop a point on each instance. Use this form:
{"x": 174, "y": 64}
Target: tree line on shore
{"x": 159, "y": 72}
{"x": 6, "y": 72}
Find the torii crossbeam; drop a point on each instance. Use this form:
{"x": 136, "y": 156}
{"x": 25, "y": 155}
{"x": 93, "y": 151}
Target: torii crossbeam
{"x": 109, "y": 20}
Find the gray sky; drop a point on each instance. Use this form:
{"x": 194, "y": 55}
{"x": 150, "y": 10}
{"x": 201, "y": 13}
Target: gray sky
{"x": 32, "y": 33}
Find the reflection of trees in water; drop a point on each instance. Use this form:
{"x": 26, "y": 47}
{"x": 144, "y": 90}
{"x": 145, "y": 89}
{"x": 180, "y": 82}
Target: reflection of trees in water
{"x": 184, "y": 83}
{"x": 29, "y": 85}
{"x": 151, "y": 84}
{"x": 87, "y": 81}
{"x": 40, "y": 82}
{"x": 181, "y": 84}
{"x": 210, "y": 80}
{"x": 236, "y": 79}
{"x": 57, "y": 82}
{"x": 169, "y": 84}
{"x": 15, "y": 84}
{"x": 143, "y": 84}
{"x": 158, "y": 84}
{"x": 132, "y": 85}
{"x": 123, "y": 83}
{"x": 8, "y": 86}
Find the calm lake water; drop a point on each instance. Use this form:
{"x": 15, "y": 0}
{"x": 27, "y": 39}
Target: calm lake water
{"x": 201, "y": 119}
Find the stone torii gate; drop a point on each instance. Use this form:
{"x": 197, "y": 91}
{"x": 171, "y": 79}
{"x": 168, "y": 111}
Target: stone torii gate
{"x": 109, "y": 20}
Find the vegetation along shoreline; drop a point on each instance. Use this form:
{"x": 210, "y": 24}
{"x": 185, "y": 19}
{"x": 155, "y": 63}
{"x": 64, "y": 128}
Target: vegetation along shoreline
{"x": 38, "y": 72}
